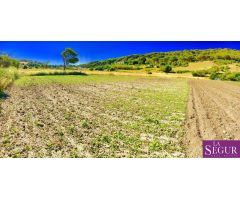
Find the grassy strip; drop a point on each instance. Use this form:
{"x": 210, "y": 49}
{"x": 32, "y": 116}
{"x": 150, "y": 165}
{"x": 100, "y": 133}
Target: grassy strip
{"x": 7, "y": 76}
{"x": 57, "y": 73}
{"x": 92, "y": 79}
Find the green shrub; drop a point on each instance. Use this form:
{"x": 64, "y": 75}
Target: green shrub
{"x": 200, "y": 73}
{"x": 127, "y": 67}
{"x": 105, "y": 68}
{"x": 137, "y": 68}
{"x": 99, "y": 68}
{"x": 214, "y": 76}
{"x": 227, "y": 76}
{"x": 232, "y": 76}
{"x": 40, "y": 74}
{"x": 111, "y": 69}
{"x": 149, "y": 66}
{"x": 149, "y": 72}
{"x": 181, "y": 71}
{"x": 167, "y": 68}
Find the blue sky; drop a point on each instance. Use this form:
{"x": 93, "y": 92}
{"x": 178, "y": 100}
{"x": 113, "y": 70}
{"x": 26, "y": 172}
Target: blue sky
{"x": 90, "y": 51}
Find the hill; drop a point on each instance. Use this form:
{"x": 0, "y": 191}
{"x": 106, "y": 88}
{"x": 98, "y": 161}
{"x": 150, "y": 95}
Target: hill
{"x": 181, "y": 60}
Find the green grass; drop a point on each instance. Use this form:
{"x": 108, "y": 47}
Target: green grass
{"x": 57, "y": 73}
{"x": 150, "y": 122}
{"x": 70, "y": 79}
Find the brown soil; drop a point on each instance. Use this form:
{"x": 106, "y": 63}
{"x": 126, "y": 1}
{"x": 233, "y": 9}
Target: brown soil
{"x": 77, "y": 120}
{"x": 212, "y": 113}
{"x": 46, "y": 121}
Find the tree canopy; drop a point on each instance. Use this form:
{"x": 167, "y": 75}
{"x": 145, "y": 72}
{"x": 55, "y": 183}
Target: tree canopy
{"x": 69, "y": 56}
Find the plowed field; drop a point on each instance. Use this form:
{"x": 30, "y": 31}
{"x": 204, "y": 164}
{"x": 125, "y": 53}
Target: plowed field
{"x": 213, "y": 112}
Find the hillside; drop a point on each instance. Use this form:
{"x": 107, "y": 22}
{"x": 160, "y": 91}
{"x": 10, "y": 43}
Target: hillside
{"x": 181, "y": 60}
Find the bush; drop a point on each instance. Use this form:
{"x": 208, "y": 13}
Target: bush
{"x": 127, "y": 67}
{"x": 167, "y": 68}
{"x": 105, "y": 68}
{"x": 232, "y": 76}
{"x": 227, "y": 76}
{"x": 149, "y": 72}
{"x": 214, "y": 76}
{"x": 181, "y": 71}
{"x": 111, "y": 69}
{"x": 137, "y": 68}
{"x": 149, "y": 66}
{"x": 99, "y": 68}
{"x": 200, "y": 73}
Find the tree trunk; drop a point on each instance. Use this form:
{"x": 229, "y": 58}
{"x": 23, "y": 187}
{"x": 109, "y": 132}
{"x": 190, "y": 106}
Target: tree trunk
{"x": 64, "y": 64}
{"x": 64, "y": 68}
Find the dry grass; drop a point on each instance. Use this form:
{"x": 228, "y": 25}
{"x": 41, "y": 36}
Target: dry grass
{"x": 206, "y": 65}
{"x": 139, "y": 73}
{"x": 26, "y": 72}
{"x": 234, "y": 67}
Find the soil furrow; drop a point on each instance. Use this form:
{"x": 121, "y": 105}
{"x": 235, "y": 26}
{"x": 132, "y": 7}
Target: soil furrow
{"x": 214, "y": 114}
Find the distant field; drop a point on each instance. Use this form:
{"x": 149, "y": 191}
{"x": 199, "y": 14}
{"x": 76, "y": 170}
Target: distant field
{"x": 27, "y": 72}
{"x": 206, "y": 65}
{"x": 94, "y": 116}
{"x": 140, "y": 74}
{"x": 24, "y": 72}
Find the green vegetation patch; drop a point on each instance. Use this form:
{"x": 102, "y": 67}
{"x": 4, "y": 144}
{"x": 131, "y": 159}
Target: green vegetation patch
{"x": 145, "y": 122}
{"x": 7, "y": 76}
{"x": 70, "y": 79}
{"x": 56, "y": 73}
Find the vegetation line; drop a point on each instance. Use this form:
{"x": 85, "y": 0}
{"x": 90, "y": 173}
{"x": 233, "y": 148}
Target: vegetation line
{"x": 7, "y": 76}
{"x": 57, "y": 73}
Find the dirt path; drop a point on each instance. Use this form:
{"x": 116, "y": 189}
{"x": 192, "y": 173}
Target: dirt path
{"x": 213, "y": 112}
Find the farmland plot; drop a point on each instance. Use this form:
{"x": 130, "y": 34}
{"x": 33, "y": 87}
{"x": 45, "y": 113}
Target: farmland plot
{"x": 212, "y": 113}
{"x": 93, "y": 116}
